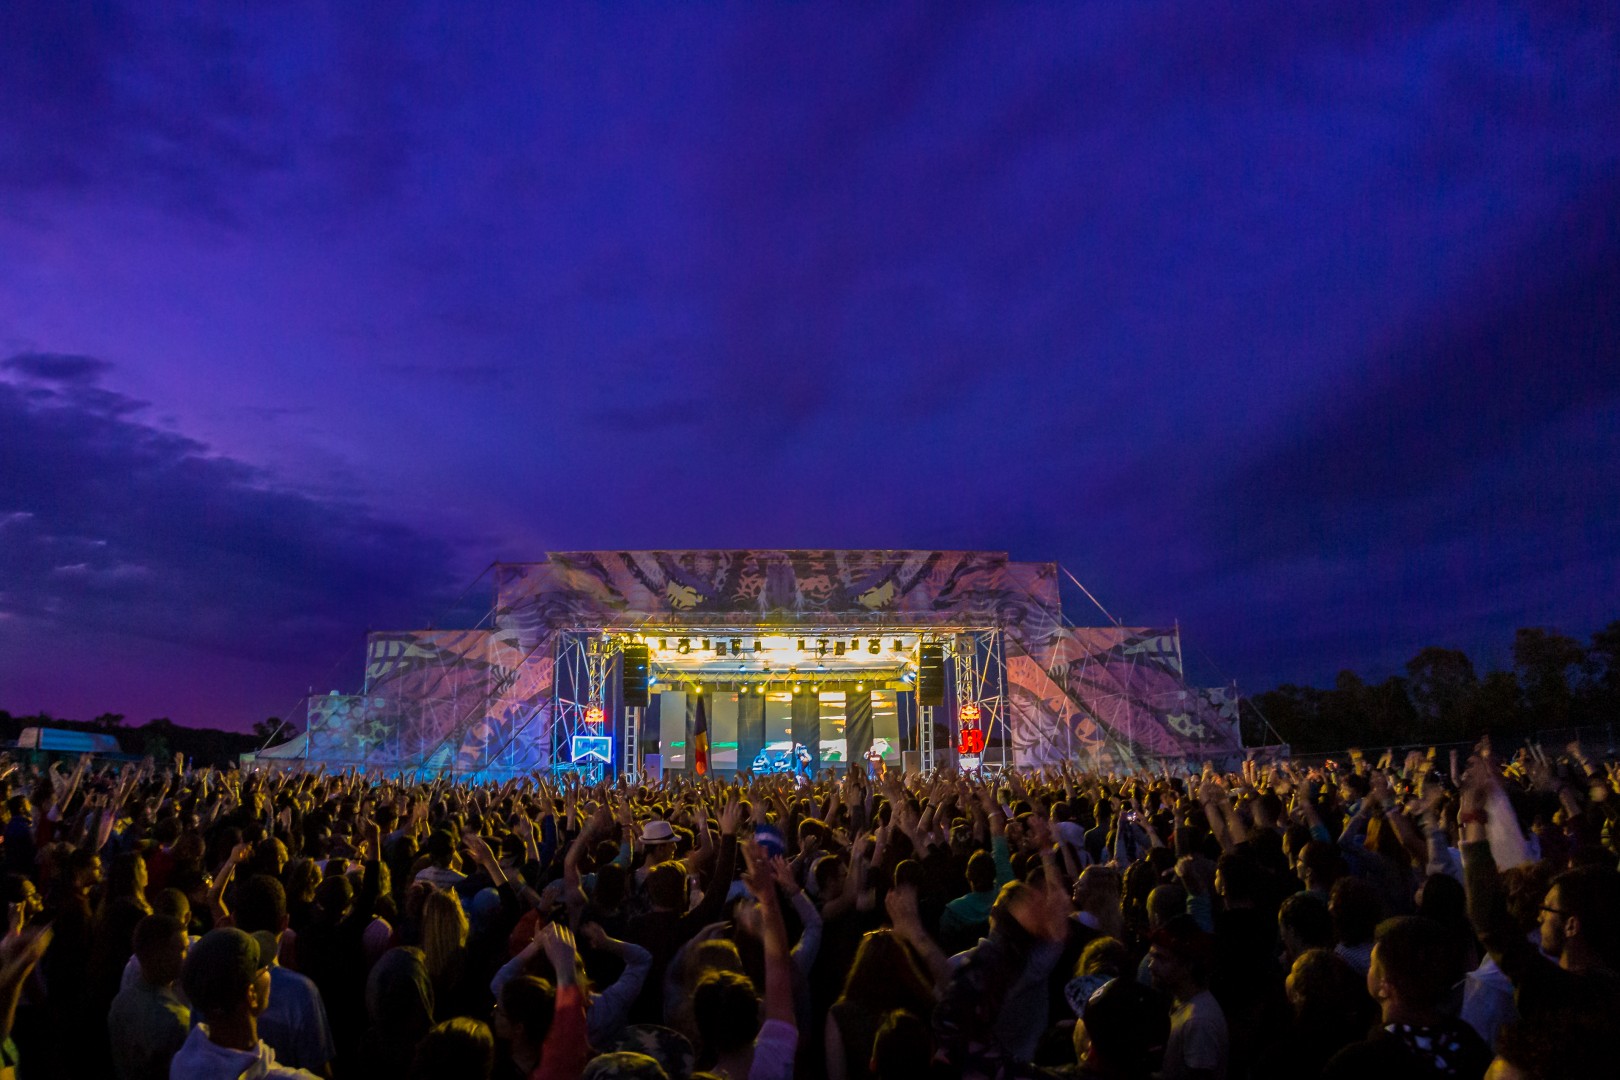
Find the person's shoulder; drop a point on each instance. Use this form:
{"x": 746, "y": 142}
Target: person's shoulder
{"x": 1359, "y": 1060}
{"x": 288, "y": 978}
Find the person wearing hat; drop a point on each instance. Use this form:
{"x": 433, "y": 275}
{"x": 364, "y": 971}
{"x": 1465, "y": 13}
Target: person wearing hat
{"x": 226, "y": 976}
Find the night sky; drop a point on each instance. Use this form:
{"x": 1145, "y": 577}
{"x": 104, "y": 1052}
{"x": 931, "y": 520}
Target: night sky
{"x": 1296, "y": 322}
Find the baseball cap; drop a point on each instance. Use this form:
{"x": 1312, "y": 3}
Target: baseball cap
{"x": 220, "y": 967}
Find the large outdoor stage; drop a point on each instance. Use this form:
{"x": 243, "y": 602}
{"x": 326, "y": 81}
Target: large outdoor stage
{"x": 819, "y": 650}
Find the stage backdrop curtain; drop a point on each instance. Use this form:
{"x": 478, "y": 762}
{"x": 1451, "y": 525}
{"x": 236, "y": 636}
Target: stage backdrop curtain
{"x": 858, "y": 725}
{"x": 807, "y": 726}
{"x": 723, "y": 732}
{"x": 674, "y": 708}
{"x": 750, "y": 728}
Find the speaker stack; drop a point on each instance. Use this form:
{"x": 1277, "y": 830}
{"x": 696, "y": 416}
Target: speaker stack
{"x": 635, "y": 676}
{"x": 931, "y": 674}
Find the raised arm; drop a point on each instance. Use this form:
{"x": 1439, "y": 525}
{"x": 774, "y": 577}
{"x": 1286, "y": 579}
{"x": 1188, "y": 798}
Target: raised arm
{"x": 778, "y": 960}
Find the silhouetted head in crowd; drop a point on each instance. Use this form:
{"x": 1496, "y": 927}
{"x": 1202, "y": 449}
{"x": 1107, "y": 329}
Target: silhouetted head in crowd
{"x": 1122, "y": 1030}
{"x": 1409, "y": 971}
{"x": 1321, "y": 987}
{"x": 623, "y": 1065}
{"x": 725, "y": 1009}
{"x": 1560, "y": 1046}
{"x": 1304, "y": 923}
{"x": 261, "y": 904}
{"x": 902, "y": 1047}
{"x": 981, "y": 871}
{"x": 1180, "y": 958}
{"x": 1580, "y": 919}
{"x": 1164, "y": 903}
{"x": 1238, "y": 880}
{"x": 1356, "y": 909}
{"x": 1320, "y": 866}
{"x": 226, "y": 978}
{"x": 884, "y": 976}
{"x": 459, "y": 1048}
{"x": 160, "y": 946}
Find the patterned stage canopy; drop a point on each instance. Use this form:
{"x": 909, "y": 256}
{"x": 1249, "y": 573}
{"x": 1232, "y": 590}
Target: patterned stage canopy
{"x": 483, "y": 700}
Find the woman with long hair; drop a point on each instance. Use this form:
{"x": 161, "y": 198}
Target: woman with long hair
{"x": 444, "y": 945}
{"x": 884, "y": 977}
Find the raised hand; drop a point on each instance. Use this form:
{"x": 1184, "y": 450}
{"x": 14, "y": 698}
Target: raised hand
{"x": 730, "y": 814}
{"x": 901, "y": 904}
{"x": 783, "y": 874}
{"x": 557, "y": 942}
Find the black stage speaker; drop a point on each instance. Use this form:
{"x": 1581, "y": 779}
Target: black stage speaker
{"x": 635, "y": 676}
{"x": 931, "y": 674}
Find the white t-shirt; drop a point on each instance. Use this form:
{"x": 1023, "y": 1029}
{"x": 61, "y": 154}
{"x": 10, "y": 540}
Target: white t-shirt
{"x": 1198, "y": 1038}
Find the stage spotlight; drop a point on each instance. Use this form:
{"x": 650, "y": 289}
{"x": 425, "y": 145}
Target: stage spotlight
{"x": 801, "y": 644}
{"x": 838, "y": 648}
{"x": 796, "y": 688}
{"x": 719, "y": 648}
{"x": 736, "y": 646}
{"x": 683, "y": 645}
{"x": 705, "y": 644}
{"x": 873, "y": 646}
{"x": 697, "y": 688}
{"x": 898, "y": 645}
{"x": 859, "y": 687}
{"x": 821, "y": 646}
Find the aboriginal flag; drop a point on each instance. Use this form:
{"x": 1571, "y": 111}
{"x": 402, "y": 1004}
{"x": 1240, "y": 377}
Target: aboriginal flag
{"x": 700, "y": 738}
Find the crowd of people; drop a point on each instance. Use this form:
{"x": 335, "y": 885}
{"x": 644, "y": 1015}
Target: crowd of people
{"x": 1384, "y": 918}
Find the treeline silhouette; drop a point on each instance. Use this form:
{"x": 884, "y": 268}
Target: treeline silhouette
{"x": 1556, "y": 683}
{"x": 160, "y": 739}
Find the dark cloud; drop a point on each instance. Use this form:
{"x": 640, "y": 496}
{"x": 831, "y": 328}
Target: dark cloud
{"x": 115, "y": 527}
{"x": 57, "y": 368}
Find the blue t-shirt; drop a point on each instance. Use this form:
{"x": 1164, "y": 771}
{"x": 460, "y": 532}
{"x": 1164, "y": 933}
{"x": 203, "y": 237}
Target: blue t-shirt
{"x": 294, "y": 1023}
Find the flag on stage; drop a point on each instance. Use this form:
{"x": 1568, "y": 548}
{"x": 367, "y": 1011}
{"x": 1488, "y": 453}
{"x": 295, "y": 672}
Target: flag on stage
{"x": 700, "y": 739}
